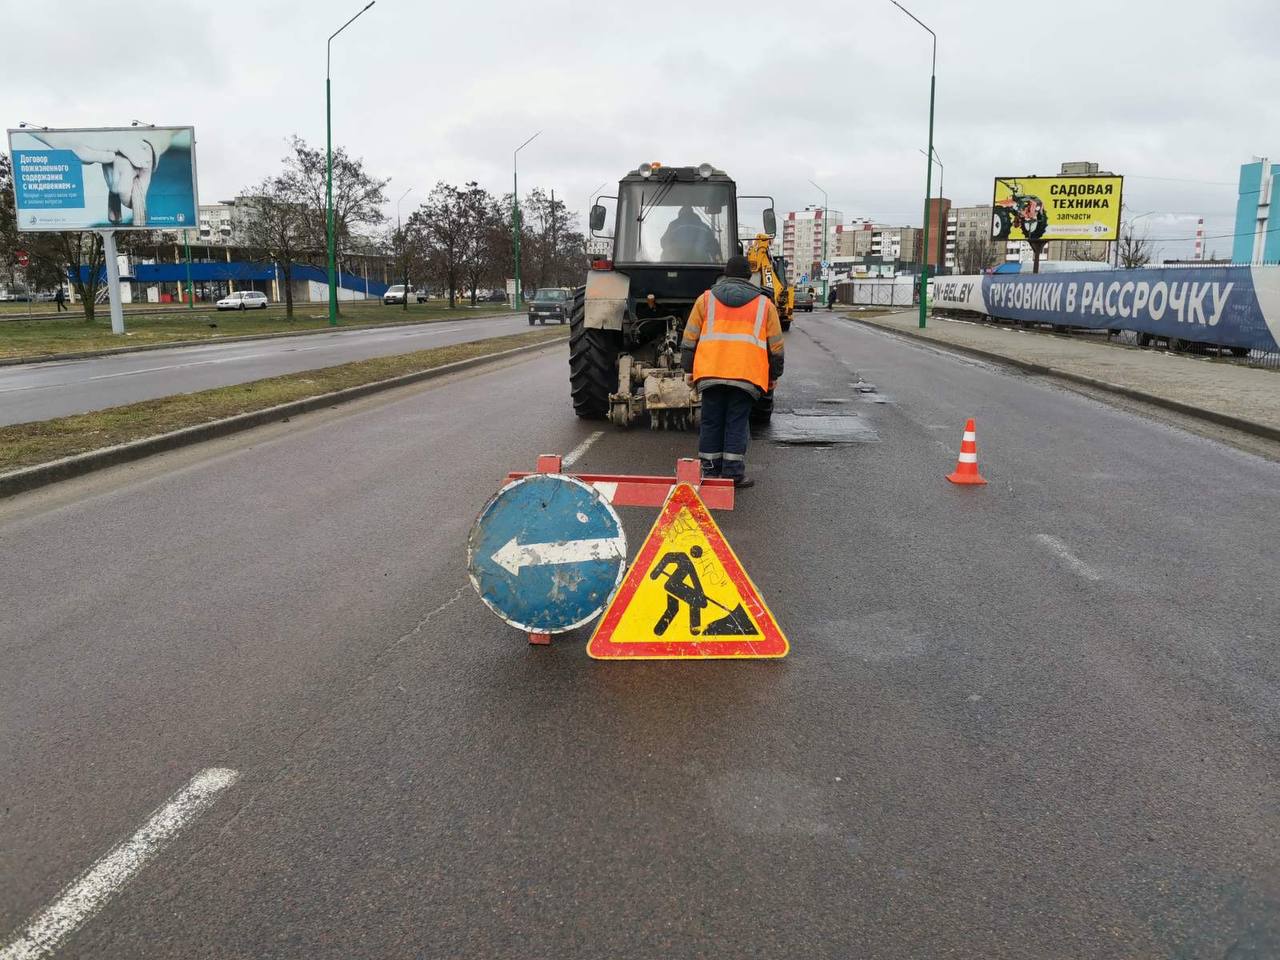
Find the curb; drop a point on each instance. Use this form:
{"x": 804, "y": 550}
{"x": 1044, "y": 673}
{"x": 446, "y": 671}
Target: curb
{"x": 42, "y": 474}
{"x": 1039, "y": 369}
{"x": 244, "y": 338}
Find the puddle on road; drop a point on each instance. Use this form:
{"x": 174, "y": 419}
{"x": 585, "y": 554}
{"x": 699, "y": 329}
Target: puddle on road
{"x": 815, "y": 426}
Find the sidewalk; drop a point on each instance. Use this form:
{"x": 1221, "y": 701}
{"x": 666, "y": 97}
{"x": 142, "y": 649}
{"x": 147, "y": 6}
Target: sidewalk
{"x": 1246, "y": 398}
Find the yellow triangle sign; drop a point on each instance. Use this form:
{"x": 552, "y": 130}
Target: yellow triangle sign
{"x": 686, "y": 595}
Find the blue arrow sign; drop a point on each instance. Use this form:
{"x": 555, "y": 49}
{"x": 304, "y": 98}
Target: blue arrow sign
{"x": 546, "y": 553}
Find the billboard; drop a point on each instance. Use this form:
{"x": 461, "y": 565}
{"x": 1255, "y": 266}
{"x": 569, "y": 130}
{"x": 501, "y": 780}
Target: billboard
{"x": 104, "y": 178}
{"x": 1056, "y": 208}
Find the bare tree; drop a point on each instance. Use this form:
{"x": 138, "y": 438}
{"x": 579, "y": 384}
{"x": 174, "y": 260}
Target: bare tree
{"x": 358, "y": 197}
{"x": 482, "y": 217}
{"x": 555, "y": 248}
{"x": 9, "y": 243}
{"x": 442, "y": 223}
{"x": 977, "y": 254}
{"x": 274, "y": 228}
{"x": 76, "y": 257}
{"x": 1134, "y": 250}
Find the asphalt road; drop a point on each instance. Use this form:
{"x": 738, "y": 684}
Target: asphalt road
{"x": 1039, "y": 719}
{"x": 39, "y": 391}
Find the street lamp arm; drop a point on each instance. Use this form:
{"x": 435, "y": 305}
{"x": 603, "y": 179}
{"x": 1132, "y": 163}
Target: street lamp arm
{"x": 523, "y": 145}
{"x": 327, "y": 45}
{"x": 922, "y": 23}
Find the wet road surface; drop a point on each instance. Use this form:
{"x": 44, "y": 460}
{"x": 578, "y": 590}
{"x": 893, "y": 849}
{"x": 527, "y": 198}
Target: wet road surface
{"x": 39, "y": 391}
{"x": 1036, "y": 719}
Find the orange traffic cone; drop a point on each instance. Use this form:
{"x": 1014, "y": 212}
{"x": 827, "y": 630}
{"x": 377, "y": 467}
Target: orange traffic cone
{"x": 967, "y": 467}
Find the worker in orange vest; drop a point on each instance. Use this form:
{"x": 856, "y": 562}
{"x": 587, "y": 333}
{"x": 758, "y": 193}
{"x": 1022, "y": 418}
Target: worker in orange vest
{"x": 733, "y": 347}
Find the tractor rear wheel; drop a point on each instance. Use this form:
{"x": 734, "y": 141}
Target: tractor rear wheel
{"x": 593, "y": 362}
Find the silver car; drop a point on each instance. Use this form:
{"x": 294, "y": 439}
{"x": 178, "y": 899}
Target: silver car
{"x": 244, "y": 300}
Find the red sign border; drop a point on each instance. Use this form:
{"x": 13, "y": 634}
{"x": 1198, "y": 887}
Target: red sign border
{"x": 773, "y": 644}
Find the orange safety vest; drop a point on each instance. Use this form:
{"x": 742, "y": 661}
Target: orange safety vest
{"x": 732, "y": 345}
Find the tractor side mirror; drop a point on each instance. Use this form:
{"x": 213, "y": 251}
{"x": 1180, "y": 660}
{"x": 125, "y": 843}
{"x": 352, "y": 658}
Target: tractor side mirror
{"x": 770, "y": 222}
{"x": 597, "y": 217}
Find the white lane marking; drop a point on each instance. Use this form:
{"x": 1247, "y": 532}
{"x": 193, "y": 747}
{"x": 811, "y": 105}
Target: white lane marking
{"x": 576, "y": 453}
{"x": 513, "y": 556}
{"x": 1064, "y": 553}
{"x": 47, "y": 930}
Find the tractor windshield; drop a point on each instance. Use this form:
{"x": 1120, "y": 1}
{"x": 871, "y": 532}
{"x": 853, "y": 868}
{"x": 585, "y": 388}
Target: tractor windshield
{"x": 671, "y": 222}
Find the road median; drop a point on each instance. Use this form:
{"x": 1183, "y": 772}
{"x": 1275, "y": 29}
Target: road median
{"x": 1226, "y": 394}
{"x": 35, "y": 454}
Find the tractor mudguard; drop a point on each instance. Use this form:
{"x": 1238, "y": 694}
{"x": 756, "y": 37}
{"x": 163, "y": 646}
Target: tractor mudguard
{"x": 606, "y": 299}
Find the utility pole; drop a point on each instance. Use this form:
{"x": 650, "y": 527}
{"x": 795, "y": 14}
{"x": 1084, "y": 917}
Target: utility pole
{"x": 823, "y": 265}
{"x": 404, "y": 256}
{"x": 328, "y": 184}
{"x": 928, "y": 177}
{"x": 515, "y": 210}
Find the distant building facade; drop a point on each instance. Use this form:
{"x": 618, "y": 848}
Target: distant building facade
{"x": 1257, "y": 236}
{"x": 802, "y": 235}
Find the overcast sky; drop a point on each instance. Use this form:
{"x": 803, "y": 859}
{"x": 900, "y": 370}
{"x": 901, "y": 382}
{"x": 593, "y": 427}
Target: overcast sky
{"x": 1173, "y": 94}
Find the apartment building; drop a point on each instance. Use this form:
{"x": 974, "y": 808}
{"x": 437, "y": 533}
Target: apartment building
{"x": 802, "y": 238}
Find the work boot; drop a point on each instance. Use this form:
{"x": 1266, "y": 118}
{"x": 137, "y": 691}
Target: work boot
{"x": 742, "y": 483}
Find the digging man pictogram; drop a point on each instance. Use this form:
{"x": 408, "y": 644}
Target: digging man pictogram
{"x": 684, "y": 586}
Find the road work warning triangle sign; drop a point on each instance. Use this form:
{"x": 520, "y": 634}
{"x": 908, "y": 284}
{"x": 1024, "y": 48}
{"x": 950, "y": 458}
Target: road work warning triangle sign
{"x": 686, "y": 595}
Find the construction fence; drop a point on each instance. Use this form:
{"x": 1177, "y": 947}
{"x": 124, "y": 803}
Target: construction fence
{"x": 1228, "y": 311}
{"x": 879, "y": 292}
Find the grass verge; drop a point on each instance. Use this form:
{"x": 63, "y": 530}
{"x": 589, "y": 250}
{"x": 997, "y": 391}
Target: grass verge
{"x": 71, "y": 334}
{"x": 26, "y": 444}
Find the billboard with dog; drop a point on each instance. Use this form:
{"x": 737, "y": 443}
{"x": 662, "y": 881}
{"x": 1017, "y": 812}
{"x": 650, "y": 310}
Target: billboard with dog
{"x": 104, "y": 178}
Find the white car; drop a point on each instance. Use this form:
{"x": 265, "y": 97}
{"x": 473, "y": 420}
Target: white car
{"x": 395, "y": 294}
{"x": 244, "y": 300}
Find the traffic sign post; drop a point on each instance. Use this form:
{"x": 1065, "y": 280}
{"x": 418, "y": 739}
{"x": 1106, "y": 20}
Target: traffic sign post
{"x": 686, "y": 596}
{"x": 546, "y": 552}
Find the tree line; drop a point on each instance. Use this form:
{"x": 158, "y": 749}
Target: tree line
{"x": 459, "y": 241}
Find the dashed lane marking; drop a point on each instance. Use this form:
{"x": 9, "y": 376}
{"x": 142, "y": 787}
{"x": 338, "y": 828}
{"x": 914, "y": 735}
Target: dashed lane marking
{"x": 574, "y": 455}
{"x": 48, "y": 929}
{"x": 1074, "y": 563}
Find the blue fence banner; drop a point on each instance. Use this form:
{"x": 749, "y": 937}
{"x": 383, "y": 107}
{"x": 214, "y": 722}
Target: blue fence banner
{"x": 1231, "y": 306}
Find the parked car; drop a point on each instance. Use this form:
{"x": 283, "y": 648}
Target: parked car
{"x": 804, "y": 300}
{"x": 495, "y": 296}
{"x": 550, "y": 303}
{"x": 396, "y": 294}
{"x": 244, "y": 300}
{"x": 46, "y": 296}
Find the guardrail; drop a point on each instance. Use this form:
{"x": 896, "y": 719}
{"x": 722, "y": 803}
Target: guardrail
{"x": 1229, "y": 310}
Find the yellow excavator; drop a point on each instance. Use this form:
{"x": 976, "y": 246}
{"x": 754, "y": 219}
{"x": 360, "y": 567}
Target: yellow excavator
{"x": 770, "y": 275}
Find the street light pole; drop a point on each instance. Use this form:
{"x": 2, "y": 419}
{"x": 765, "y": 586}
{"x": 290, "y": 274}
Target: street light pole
{"x": 328, "y": 184}
{"x": 928, "y": 177}
{"x": 404, "y": 260}
{"x": 515, "y": 210}
{"x": 823, "y": 266}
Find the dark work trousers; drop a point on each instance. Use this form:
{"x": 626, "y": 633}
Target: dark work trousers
{"x": 722, "y": 441}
